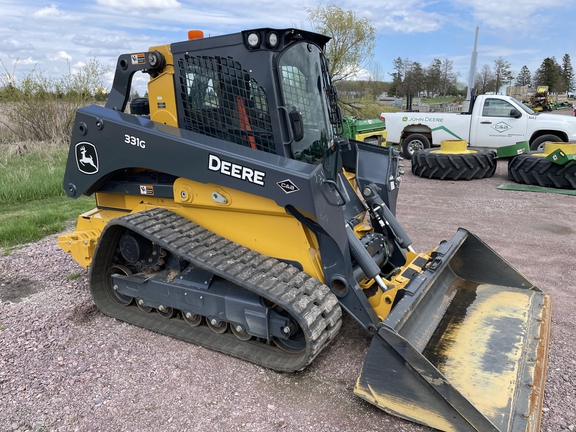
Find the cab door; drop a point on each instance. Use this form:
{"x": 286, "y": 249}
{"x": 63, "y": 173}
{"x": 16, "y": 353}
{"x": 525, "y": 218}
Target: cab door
{"x": 499, "y": 124}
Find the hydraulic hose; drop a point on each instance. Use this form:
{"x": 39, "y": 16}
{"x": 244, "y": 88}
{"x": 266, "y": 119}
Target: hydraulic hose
{"x": 379, "y": 211}
{"x": 363, "y": 258}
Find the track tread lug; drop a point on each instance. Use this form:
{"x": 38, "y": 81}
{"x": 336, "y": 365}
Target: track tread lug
{"x": 307, "y": 300}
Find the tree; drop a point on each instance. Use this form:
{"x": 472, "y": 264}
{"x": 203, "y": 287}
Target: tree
{"x": 375, "y": 85}
{"x": 101, "y": 95}
{"x": 408, "y": 78}
{"x": 502, "y": 73}
{"x": 484, "y": 81}
{"x": 549, "y": 74}
{"x": 447, "y": 77}
{"x": 432, "y": 78}
{"x": 568, "y": 73}
{"x": 352, "y": 43}
{"x": 524, "y": 78}
{"x": 414, "y": 78}
{"x": 350, "y": 88}
{"x": 397, "y": 77}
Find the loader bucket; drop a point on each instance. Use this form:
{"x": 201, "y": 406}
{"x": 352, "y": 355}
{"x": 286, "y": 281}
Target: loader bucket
{"x": 466, "y": 348}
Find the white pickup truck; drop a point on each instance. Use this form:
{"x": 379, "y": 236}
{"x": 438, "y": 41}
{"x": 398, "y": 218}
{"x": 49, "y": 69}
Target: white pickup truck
{"x": 493, "y": 121}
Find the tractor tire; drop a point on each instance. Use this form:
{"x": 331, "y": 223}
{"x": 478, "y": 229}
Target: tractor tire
{"x": 457, "y": 166}
{"x": 538, "y": 143}
{"x": 413, "y": 143}
{"x": 539, "y": 171}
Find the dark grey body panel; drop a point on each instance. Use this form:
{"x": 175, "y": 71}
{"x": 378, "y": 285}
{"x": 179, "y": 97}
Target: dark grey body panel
{"x": 186, "y": 154}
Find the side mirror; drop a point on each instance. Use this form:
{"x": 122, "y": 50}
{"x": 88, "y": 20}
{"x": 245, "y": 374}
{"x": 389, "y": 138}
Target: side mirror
{"x": 515, "y": 113}
{"x": 297, "y": 124}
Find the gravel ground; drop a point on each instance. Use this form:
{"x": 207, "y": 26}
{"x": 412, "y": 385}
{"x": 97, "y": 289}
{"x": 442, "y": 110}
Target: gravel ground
{"x": 64, "y": 366}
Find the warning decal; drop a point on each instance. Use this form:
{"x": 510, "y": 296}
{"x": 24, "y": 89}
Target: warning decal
{"x": 146, "y": 190}
{"x": 139, "y": 58}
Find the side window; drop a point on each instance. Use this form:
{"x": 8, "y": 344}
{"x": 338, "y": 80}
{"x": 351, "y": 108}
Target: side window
{"x": 303, "y": 93}
{"x": 496, "y": 108}
{"x": 299, "y": 93}
{"x": 221, "y": 100}
{"x": 201, "y": 91}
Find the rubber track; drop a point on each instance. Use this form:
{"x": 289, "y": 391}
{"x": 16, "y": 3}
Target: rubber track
{"x": 468, "y": 166}
{"x": 306, "y": 299}
{"x": 539, "y": 171}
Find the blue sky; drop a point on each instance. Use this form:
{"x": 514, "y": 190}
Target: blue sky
{"x": 50, "y": 35}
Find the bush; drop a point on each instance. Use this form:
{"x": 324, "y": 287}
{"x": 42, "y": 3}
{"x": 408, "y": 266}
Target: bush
{"x": 363, "y": 108}
{"x": 38, "y": 108}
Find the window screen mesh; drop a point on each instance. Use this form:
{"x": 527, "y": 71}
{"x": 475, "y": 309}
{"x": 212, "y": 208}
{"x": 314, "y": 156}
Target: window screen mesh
{"x": 222, "y": 101}
{"x": 296, "y": 94}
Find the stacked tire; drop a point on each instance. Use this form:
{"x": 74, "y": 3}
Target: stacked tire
{"x": 432, "y": 164}
{"x": 539, "y": 171}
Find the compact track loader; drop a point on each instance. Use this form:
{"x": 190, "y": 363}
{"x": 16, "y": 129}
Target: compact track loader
{"x": 231, "y": 213}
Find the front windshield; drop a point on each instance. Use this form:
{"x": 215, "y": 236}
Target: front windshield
{"x": 524, "y": 107}
{"x": 303, "y": 91}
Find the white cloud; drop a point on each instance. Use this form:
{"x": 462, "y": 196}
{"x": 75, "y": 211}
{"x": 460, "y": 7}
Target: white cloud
{"x": 410, "y": 21}
{"x": 12, "y": 44}
{"x": 27, "y": 61}
{"x": 137, "y": 5}
{"x": 362, "y": 75}
{"x": 77, "y": 67}
{"x": 51, "y": 13}
{"x": 104, "y": 45}
{"x": 399, "y": 16}
{"x": 61, "y": 56}
{"x": 513, "y": 15}
{"x": 47, "y": 12}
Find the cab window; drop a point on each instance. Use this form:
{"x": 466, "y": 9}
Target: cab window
{"x": 496, "y": 108}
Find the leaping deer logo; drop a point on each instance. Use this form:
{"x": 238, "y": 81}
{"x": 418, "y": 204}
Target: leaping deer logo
{"x": 86, "y": 159}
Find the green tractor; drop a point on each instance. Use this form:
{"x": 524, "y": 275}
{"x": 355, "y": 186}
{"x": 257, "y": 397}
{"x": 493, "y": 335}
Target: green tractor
{"x": 372, "y": 131}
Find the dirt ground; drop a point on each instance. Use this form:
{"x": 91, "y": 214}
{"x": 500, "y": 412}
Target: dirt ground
{"x": 64, "y": 366}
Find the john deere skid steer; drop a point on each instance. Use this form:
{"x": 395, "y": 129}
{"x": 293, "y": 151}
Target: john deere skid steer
{"x": 231, "y": 213}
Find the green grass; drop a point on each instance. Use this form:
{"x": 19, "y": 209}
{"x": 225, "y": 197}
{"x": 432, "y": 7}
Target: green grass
{"x": 33, "y": 176}
{"x": 75, "y": 275}
{"x": 438, "y": 100}
{"x": 31, "y": 221}
{"x": 33, "y": 202}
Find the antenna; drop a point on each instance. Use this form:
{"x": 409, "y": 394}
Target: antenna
{"x": 473, "y": 60}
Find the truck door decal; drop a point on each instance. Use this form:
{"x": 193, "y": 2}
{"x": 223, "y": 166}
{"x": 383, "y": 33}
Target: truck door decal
{"x": 448, "y": 131}
{"x": 501, "y": 127}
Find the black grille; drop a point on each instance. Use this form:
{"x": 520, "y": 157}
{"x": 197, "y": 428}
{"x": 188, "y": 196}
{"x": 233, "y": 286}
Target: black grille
{"x": 221, "y": 100}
